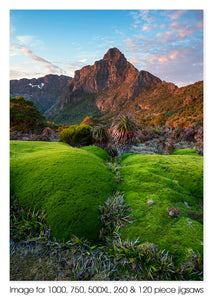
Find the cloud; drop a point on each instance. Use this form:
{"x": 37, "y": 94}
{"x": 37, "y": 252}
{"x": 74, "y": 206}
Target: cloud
{"x": 163, "y": 59}
{"x": 83, "y": 60}
{"x": 24, "y": 44}
{"x": 119, "y": 32}
{"x": 51, "y": 68}
{"x": 173, "y": 49}
{"x": 47, "y": 64}
{"x": 164, "y": 37}
{"x": 144, "y": 18}
{"x": 177, "y": 14}
{"x": 144, "y": 15}
{"x": 17, "y": 72}
{"x": 174, "y": 54}
{"x": 146, "y": 27}
{"x": 135, "y": 60}
{"x": 24, "y": 39}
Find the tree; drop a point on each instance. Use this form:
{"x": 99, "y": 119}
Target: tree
{"x": 24, "y": 116}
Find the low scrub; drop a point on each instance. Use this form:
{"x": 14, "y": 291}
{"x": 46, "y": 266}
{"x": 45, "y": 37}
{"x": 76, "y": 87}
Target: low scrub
{"x": 34, "y": 256}
{"x": 24, "y": 116}
{"x": 77, "y": 135}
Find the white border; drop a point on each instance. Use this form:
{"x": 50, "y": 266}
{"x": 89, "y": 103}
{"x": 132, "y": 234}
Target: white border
{"x": 208, "y": 100}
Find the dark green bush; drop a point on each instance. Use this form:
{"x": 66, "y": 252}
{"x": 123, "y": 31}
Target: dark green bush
{"x": 24, "y": 116}
{"x": 77, "y": 135}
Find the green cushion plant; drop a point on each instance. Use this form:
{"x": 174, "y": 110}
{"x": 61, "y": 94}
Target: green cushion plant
{"x": 69, "y": 184}
{"x": 97, "y": 151}
{"x": 155, "y": 183}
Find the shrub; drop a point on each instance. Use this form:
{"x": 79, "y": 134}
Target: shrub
{"x": 159, "y": 120}
{"x": 77, "y": 135}
{"x": 169, "y": 148}
{"x": 27, "y": 225}
{"x": 99, "y": 135}
{"x": 192, "y": 267}
{"x": 115, "y": 213}
{"x": 24, "y": 116}
{"x": 89, "y": 121}
{"x": 199, "y": 141}
{"x": 145, "y": 261}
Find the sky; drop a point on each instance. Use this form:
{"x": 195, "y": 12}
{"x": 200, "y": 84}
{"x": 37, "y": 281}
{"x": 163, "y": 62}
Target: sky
{"x": 166, "y": 43}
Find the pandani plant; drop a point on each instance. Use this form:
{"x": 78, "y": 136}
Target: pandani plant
{"x": 124, "y": 128}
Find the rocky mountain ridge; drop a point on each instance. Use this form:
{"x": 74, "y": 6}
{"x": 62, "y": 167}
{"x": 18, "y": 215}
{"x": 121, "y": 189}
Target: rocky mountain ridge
{"x": 113, "y": 70}
{"x": 45, "y": 91}
{"x": 109, "y": 86}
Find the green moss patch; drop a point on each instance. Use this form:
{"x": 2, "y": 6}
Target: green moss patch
{"x": 154, "y": 183}
{"x": 97, "y": 151}
{"x": 185, "y": 152}
{"x": 69, "y": 184}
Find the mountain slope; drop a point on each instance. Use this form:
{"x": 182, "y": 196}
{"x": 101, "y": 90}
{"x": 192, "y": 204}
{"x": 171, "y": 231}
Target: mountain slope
{"x": 113, "y": 70}
{"x": 45, "y": 91}
{"x": 112, "y": 85}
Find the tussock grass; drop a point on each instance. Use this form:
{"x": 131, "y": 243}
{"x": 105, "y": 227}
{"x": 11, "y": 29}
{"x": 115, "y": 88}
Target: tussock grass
{"x": 35, "y": 257}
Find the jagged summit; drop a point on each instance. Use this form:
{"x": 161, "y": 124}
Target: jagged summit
{"x": 112, "y": 70}
{"x": 113, "y": 53}
{"x": 109, "y": 86}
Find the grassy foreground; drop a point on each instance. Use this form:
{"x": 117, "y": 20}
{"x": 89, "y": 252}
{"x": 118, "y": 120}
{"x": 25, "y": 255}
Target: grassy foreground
{"x": 69, "y": 184}
{"x": 128, "y": 235}
{"x": 154, "y": 183}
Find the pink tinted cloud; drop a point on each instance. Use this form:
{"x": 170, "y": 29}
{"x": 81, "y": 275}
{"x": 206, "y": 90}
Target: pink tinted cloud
{"x": 52, "y": 68}
{"x": 177, "y": 14}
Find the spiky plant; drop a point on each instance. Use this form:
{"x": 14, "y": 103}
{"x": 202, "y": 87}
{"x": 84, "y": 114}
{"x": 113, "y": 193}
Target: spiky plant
{"x": 99, "y": 135}
{"x": 124, "y": 128}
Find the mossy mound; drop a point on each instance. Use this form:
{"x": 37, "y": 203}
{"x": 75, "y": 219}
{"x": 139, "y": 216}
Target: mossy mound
{"x": 97, "y": 151}
{"x": 154, "y": 183}
{"x": 69, "y": 184}
{"x": 185, "y": 152}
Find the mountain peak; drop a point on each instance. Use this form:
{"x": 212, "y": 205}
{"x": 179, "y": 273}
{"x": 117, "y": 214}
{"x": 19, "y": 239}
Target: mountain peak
{"x": 112, "y": 53}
